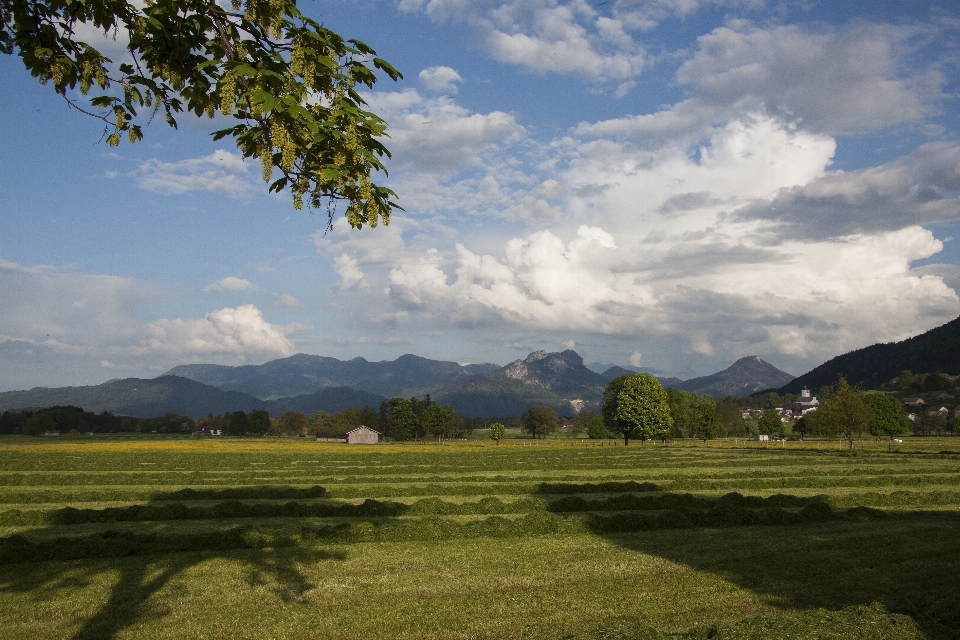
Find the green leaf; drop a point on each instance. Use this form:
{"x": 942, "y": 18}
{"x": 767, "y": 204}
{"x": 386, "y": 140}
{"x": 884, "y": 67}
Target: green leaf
{"x": 266, "y": 100}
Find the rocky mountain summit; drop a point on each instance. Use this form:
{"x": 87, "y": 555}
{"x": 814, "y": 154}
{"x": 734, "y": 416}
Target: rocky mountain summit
{"x": 563, "y": 373}
{"x": 558, "y": 380}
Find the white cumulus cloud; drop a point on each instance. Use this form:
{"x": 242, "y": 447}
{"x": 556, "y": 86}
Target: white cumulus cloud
{"x": 440, "y": 80}
{"x": 58, "y": 323}
{"x": 230, "y": 283}
{"x": 437, "y": 135}
{"x": 285, "y": 300}
{"x": 545, "y": 36}
{"x": 241, "y": 332}
{"x": 835, "y": 79}
{"x": 350, "y": 274}
{"x": 220, "y": 172}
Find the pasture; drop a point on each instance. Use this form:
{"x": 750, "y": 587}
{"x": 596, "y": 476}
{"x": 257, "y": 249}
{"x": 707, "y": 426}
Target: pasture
{"x": 287, "y": 538}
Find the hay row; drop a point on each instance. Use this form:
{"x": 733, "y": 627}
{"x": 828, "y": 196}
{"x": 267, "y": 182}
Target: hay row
{"x": 370, "y": 508}
{"x": 113, "y": 543}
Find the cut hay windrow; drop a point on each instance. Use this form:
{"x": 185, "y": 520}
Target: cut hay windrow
{"x": 730, "y": 512}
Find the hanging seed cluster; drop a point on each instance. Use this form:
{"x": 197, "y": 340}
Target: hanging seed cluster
{"x": 288, "y": 83}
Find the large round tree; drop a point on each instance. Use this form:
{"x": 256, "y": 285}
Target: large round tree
{"x": 539, "y": 421}
{"x": 636, "y": 406}
{"x": 844, "y": 412}
{"x": 889, "y": 418}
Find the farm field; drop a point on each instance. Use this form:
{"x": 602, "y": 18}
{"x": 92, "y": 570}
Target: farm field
{"x": 288, "y": 538}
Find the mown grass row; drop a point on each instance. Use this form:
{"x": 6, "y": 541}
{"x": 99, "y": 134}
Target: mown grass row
{"x": 241, "y": 456}
{"x": 800, "y": 478}
{"x": 165, "y": 511}
{"x": 590, "y": 517}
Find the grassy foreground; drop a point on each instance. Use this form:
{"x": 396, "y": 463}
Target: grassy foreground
{"x": 262, "y": 538}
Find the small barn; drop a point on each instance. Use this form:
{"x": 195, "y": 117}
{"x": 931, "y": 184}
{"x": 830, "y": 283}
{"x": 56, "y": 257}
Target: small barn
{"x": 363, "y": 435}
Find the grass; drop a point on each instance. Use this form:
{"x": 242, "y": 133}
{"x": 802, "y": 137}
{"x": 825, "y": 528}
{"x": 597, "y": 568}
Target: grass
{"x": 286, "y": 538}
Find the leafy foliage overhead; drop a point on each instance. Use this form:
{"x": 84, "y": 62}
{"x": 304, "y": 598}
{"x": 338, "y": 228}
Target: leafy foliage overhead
{"x": 288, "y": 82}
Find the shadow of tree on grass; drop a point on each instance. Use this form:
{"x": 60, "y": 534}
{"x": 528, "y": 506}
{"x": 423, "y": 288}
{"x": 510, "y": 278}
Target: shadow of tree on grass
{"x": 811, "y": 561}
{"x": 151, "y": 544}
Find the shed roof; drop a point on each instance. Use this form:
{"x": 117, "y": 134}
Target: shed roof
{"x": 364, "y": 427}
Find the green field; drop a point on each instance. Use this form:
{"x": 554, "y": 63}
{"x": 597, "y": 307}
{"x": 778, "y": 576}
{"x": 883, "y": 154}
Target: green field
{"x": 286, "y": 538}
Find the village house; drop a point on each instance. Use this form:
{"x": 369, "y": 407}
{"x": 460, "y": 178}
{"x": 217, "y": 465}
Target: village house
{"x": 211, "y": 431}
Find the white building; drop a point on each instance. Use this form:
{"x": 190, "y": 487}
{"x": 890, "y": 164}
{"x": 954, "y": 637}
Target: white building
{"x": 363, "y": 435}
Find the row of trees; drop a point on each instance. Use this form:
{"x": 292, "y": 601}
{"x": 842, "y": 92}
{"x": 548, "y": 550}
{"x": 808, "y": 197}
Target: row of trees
{"x": 909, "y": 383}
{"x": 413, "y": 419}
{"x": 637, "y": 407}
{"x": 66, "y": 419}
{"x": 848, "y": 411}
{"x": 633, "y": 407}
{"x": 906, "y": 384}
{"x": 397, "y": 419}
{"x": 238, "y": 423}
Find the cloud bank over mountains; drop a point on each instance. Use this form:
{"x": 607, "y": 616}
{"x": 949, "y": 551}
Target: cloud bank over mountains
{"x": 717, "y": 220}
{"x": 58, "y": 313}
{"x": 792, "y": 195}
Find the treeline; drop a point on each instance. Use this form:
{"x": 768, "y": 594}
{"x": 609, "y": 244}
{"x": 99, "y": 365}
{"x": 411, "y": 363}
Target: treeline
{"x": 905, "y": 385}
{"x": 397, "y": 419}
{"x": 68, "y": 419}
{"x": 911, "y": 384}
{"x": 692, "y": 415}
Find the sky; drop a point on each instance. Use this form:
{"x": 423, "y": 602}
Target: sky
{"x": 663, "y": 184}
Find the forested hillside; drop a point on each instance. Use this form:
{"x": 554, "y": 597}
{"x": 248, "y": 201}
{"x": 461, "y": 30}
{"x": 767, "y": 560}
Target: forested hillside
{"x": 937, "y": 350}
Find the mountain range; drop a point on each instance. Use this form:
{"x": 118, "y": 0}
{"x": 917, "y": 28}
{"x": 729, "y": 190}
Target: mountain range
{"x": 148, "y": 398}
{"x": 314, "y": 383}
{"x": 408, "y": 375}
{"x": 561, "y": 380}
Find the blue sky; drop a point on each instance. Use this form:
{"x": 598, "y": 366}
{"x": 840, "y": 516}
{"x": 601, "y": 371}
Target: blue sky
{"x": 670, "y": 184}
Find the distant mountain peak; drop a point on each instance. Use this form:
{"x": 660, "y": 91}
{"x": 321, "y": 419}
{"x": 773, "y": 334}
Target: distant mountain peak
{"x": 747, "y": 375}
{"x": 559, "y": 380}
{"x": 555, "y": 371}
